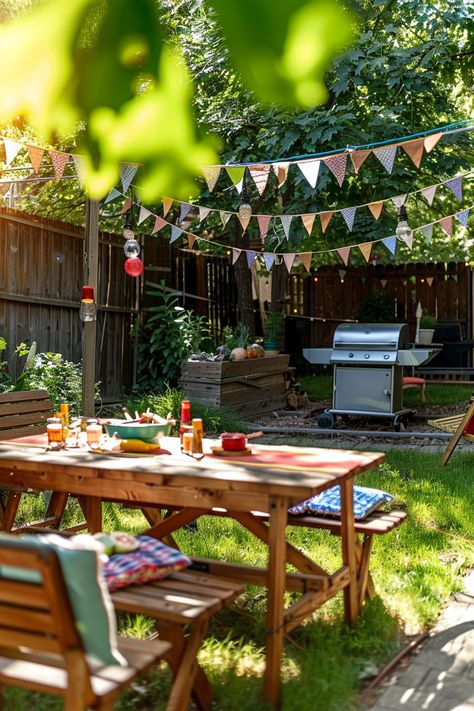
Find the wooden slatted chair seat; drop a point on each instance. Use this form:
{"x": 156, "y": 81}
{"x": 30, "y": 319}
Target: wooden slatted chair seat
{"x": 459, "y": 425}
{"x": 40, "y": 648}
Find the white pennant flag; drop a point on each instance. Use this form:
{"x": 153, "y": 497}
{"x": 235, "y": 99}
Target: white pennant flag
{"x": 427, "y": 232}
{"x": 225, "y": 216}
{"x": 399, "y": 200}
{"x": 349, "y": 214}
{"x": 429, "y": 193}
{"x": 12, "y": 148}
{"x": 310, "y": 170}
{"x": 203, "y": 213}
{"x": 143, "y": 215}
{"x": 286, "y": 222}
{"x": 113, "y": 194}
{"x": 289, "y": 259}
{"x": 235, "y": 254}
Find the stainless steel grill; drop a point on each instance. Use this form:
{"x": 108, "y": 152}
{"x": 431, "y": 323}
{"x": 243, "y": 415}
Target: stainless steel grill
{"x": 368, "y": 361}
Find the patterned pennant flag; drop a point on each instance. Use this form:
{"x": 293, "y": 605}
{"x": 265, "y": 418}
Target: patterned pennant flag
{"x": 427, "y": 232}
{"x": 429, "y": 281}
{"x": 191, "y": 240}
{"x": 359, "y": 157}
{"x": 310, "y": 170}
{"x": 308, "y": 221}
{"x": 36, "y": 156}
{"x": 263, "y": 223}
{"x": 235, "y": 173}
{"x": 244, "y": 221}
{"x": 127, "y": 174}
{"x": 376, "y": 208}
{"x": 143, "y": 215}
{"x": 349, "y": 214}
{"x": 289, "y": 259}
{"x": 429, "y": 194}
{"x": 447, "y": 224}
{"x": 325, "y": 218}
{"x": 167, "y": 203}
{"x": 286, "y": 222}
{"x": 260, "y": 175}
{"x": 250, "y": 258}
{"x": 127, "y": 204}
{"x": 113, "y": 195}
{"x": 463, "y": 216}
{"x": 386, "y": 155}
{"x": 431, "y": 141}
{"x": 184, "y": 209}
{"x": 344, "y": 253}
{"x": 415, "y": 150}
{"x": 399, "y": 200}
{"x": 211, "y": 174}
{"x": 203, "y": 213}
{"x": 281, "y": 172}
{"x": 305, "y": 259}
{"x": 269, "y": 258}
{"x": 390, "y": 243}
{"x": 60, "y": 161}
{"x": 225, "y": 217}
{"x": 455, "y": 185}
{"x": 175, "y": 233}
{"x": 337, "y": 166}
{"x": 12, "y": 148}
{"x": 365, "y": 248}
{"x": 159, "y": 224}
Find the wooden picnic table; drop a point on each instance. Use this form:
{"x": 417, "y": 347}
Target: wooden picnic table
{"x": 270, "y": 480}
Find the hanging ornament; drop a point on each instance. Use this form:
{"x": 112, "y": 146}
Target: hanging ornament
{"x": 131, "y": 248}
{"x": 245, "y": 211}
{"x": 128, "y": 234}
{"x": 133, "y": 266}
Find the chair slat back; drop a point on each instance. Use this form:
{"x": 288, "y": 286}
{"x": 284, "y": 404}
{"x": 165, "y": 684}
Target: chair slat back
{"x": 24, "y": 413}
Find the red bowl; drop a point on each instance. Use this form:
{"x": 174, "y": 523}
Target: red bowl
{"x": 233, "y": 441}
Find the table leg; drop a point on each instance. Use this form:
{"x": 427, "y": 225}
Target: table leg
{"x": 348, "y": 541}
{"x": 275, "y": 599}
{"x": 92, "y": 509}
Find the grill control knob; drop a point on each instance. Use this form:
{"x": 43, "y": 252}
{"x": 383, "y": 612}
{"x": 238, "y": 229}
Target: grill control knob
{"x": 366, "y": 356}
{"x": 386, "y": 356}
{"x": 351, "y": 355}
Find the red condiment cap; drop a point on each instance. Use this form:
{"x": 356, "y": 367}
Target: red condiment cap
{"x": 88, "y": 292}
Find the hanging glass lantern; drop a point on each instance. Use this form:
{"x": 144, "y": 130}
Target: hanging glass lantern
{"x": 131, "y": 248}
{"x": 133, "y": 266}
{"x": 403, "y": 230}
{"x": 87, "y": 309}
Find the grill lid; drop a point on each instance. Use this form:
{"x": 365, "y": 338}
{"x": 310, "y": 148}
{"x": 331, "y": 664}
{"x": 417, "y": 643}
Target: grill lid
{"x": 371, "y": 337}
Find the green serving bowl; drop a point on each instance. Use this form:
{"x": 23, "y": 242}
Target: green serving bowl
{"x": 136, "y": 430}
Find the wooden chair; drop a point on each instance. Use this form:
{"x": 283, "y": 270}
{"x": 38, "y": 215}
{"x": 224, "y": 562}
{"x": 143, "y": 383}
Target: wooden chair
{"x": 40, "y": 648}
{"x": 418, "y": 383}
{"x": 459, "y": 425}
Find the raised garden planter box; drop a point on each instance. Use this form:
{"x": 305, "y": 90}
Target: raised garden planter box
{"x": 248, "y": 387}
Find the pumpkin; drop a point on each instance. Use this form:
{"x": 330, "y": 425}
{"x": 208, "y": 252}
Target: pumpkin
{"x": 238, "y": 354}
{"x": 256, "y": 350}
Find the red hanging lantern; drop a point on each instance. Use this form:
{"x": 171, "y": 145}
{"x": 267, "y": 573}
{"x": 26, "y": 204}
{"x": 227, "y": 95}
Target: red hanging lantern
{"x": 133, "y": 266}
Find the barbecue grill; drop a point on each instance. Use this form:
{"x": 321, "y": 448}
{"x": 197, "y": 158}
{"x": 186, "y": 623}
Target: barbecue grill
{"x": 368, "y": 361}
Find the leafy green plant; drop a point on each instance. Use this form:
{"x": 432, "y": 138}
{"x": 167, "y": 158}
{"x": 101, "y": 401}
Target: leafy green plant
{"x": 272, "y": 326}
{"x": 377, "y": 307}
{"x": 428, "y": 321}
{"x": 61, "y": 378}
{"x": 194, "y": 329}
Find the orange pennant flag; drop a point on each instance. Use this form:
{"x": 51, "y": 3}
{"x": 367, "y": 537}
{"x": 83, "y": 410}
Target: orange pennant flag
{"x": 366, "y": 249}
{"x": 308, "y": 222}
{"x": 431, "y": 141}
{"x": 305, "y": 259}
{"x": 281, "y": 172}
{"x": 36, "y": 155}
{"x": 244, "y": 221}
{"x": 376, "y": 208}
{"x": 325, "y": 218}
{"x": 358, "y": 157}
{"x": 167, "y": 202}
{"x": 128, "y": 202}
{"x": 415, "y": 150}
{"x": 191, "y": 240}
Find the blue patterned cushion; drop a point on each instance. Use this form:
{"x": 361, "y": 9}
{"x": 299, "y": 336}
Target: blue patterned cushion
{"x": 328, "y": 503}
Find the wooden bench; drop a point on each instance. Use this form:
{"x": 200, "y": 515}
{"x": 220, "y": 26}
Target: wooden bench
{"x": 40, "y": 648}
{"x": 459, "y": 425}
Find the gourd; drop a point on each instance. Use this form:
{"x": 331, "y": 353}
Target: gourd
{"x": 139, "y": 445}
{"x": 255, "y": 351}
{"x": 238, "y": 354}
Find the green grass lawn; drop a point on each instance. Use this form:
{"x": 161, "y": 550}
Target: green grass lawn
{"x": 416, "y": 568}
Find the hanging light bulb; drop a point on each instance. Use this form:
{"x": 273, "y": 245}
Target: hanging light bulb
{"x": 131, "y": 248}
{"x": 245, "y": 211}
{"x": 133, "y": 266}
{"x": 87, "y": 309}
{"x": 403, "y": 230}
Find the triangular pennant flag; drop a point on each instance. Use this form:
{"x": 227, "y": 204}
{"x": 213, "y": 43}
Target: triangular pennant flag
{"x": 191, "y": 240}
{"x": 344, "y": 253}
{"x": 203, "y": 213}
{"x": 365, "y": 248}
{"x": 337, "y": 166}
{"x": 386, "y": 155}
{"x": 289, "y": 259}
{"x": 36, "y": 156}
{"x": 383, "y": 283}
{"x": 415, "y": 150}
{"x": 427, "y": 232}
{"x": 235, "y": 173}
{"x": 79, "y": 163}
{"x": 376, "y": 208}
{"x": 211, "y": 174}
{"x": 60, "y": 161}
{"x": 12, "y": 148}
{"x": 159, "y": 224}
{"x": 447, "y": 224}
{"x": 358, "y": 157}
{"x": 263, "y": 223}
{"x": 454, "y": 276}
{"x": 244, "y": 221}
{"x": 4, "y": 188}
{"x": 349, "y": 214}
{"x": 325, "y": 218}
{"x": 239, "y": 186}
{"x": 305, "y": 259}
{"x": 390, "y": 243}
{"x": 269, "y": 258}
{"x": 431, "y": 141}
{"x": 308, "y": 221}
{"x": 286, "y": 222}
{"x": 167, "y": 202}
{"x": 310, "y": 170}
{"x": 429, "y": 281}
{"x": 127, "y": 174}
{"x": 281, "y": 172}
{"x": 408, "y": 241}
{"x": 342, "y": 274}
{"x": 143, "y": 215}
{"x": 175, "y": 233}
{"x": 399, "y": 200}
{"x": 250, "y": 258}
{"x": 455, "y": 185}
{"x": 260, "y": 175}
{"x": 225, "y": 217}
{"x": 463, "y": 216}
{"x": 127, "y": 204}
{"x": 184, "y": 209}
{"x": 113, "y": 194}
{"x": 429, "y": 193}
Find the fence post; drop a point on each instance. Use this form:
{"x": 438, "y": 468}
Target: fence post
{"x": 89, "y": 333}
